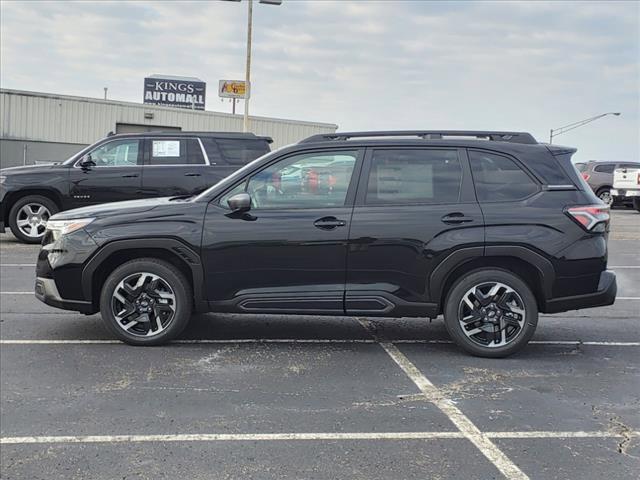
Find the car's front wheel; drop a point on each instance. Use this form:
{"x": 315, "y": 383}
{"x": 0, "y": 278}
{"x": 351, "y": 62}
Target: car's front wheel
{"x": 491, "y": 313}
{"x": 28, "y": 217}
{"x": 146, "y": 302}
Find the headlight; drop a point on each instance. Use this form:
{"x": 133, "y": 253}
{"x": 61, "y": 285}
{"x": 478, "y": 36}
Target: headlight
{"x": 2, "y": 178}
{"x": 63, "y": 227}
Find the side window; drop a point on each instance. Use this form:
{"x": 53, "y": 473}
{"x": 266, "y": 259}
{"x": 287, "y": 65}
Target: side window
{"x": 241, "y": 151}
{"x": 194, "y": 152}
{"x": 607, "y": 168}
{"x": 168, "y": 151}
{"x": 499, "y": 179}
{"x": 119, "y": 153}
{"x": 414, "y": 176}
{"x": 312, "y": 180}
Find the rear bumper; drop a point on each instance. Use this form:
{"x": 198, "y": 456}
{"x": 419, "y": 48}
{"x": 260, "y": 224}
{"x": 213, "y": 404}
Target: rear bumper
{"x": 625, "y": 192}
{"x": 47, "y": 292}
{"x": 605, "y": 295}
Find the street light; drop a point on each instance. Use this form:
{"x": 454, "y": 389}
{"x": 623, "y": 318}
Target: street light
{"x": 247, "y": 78}
{"x": 554, "y": 132}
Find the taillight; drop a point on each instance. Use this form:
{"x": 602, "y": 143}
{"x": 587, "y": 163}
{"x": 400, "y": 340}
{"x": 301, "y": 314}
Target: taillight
{"x": 593, "y": 218}
{"x": 586, "y": 177}
{"x": 638, "y": 179}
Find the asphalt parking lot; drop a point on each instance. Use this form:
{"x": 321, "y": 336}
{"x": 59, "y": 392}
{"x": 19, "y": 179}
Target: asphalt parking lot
{"x": 261, "y": 397}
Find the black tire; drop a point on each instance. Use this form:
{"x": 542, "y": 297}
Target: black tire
{"x": 17, "y": 211}
{"x": 172, "y": 277}
{"x": 604, "y": 194}
{"x": 636, "y": 203}
{"x": 453, "y": 309}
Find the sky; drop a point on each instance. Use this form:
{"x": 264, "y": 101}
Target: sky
{"x": 363, "y": 65}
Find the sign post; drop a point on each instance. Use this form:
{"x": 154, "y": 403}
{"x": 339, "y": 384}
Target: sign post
{"x": 233, "y": 89}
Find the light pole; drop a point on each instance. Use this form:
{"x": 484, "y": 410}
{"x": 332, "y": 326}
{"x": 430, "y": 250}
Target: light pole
{"x": 247, "y": 73}
{"x": 554, "y": 132}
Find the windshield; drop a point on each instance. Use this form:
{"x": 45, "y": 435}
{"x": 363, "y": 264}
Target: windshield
{"x": 75, "y": 156}
{"x": 235, "y": 176}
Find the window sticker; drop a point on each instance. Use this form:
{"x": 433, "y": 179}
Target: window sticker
{"x": 166, "y": 148}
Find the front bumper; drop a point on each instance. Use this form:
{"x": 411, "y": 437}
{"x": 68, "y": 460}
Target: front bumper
{"x": 47, "y": 292}
{"x": 605, "y": 295}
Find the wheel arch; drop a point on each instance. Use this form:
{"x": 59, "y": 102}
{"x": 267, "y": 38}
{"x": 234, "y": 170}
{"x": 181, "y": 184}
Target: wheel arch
{"x": 12, "y": 197}
{"x": 535, "y": 270}
{"x": 118, "y": 252}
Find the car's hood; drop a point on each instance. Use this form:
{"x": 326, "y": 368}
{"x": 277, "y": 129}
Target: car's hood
{"x": 114, "y": 208}
{"x": 27, "y": 169}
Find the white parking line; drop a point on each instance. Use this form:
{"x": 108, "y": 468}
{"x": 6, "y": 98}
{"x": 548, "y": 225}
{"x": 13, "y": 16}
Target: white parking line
{"x": 16, "y": 293}
{"x": 459, "y": 419}
{"x": 301, "y": 340}
{"x": 243, "y": 437}
{"x": 17, "y": 264}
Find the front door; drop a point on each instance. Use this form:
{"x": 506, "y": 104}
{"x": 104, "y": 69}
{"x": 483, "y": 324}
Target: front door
{"x": 288, "y": 253}
{"x": 415, "y": 207}
{"x": 115, "y": 174}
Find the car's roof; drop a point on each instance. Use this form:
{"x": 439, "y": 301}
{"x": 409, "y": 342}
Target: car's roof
{"x": 227, "y": 135}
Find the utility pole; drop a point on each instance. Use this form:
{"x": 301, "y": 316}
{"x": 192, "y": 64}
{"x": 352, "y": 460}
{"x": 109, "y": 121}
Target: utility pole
{"x": 247, "y": 78}
{"x": 105, "y": 92}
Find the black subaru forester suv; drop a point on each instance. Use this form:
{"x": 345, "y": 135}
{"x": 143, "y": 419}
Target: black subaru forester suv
{"x": 487, "y": 228}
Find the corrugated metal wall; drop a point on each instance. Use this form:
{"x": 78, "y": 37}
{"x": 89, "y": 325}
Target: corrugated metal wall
{"x": 65, "y": 119}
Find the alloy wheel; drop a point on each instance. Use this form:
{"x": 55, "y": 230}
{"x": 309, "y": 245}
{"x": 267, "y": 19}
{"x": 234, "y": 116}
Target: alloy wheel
{"x": 606, "y": 197}
{"x": 492, "y": 314}
{"x": 32, "y": 219}
{"x": 143, "y": 304}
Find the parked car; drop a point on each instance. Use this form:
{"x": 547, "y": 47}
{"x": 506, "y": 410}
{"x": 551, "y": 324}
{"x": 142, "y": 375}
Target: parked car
{"x": 121, "y": 167}
{"x": 599, "y": 176}
{"x": 486, "y": 231}
{"x": 626, "y": 185}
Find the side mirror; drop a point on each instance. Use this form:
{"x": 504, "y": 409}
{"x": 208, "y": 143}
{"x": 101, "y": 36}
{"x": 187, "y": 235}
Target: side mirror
{"x": 87, "y": 161}
{"x": 240, "y": 202}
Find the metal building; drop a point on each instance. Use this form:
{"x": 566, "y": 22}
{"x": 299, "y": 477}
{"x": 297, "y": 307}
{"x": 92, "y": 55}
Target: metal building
{"x": 41, "y": 127}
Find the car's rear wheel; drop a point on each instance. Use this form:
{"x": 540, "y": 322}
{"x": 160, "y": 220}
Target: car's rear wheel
{"x": 604, "y": 194}
{"x": 28, "y": 217}
{"x": 146, "y": 302}
{"x": 491, "y": 313}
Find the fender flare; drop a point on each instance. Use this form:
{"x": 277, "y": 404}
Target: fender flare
{"x": 176, "y": 247}
{"x": 455, "y": 259}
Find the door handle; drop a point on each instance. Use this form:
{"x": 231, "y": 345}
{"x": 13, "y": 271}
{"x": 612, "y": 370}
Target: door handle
{"x": 456, "y": 218}
{"x": 329, "y": 223}
{"x": 134, "y": 175}
{"x": 191, "y": 174}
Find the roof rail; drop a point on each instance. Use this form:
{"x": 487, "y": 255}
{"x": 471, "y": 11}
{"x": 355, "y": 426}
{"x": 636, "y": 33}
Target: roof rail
{"x": 513, "y": 137}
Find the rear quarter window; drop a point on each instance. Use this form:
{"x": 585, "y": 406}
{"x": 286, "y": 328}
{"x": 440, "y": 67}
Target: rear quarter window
{"x": 607, "y": 168}
{"x": 241, "y": 151}
{"x": 499, "y": 179}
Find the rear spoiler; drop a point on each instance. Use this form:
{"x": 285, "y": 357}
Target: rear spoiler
{"x": 558, "y": 150}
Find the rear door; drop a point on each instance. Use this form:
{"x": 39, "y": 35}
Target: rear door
{"x": 414, "y": 207}
{"x": 174, "y": 166}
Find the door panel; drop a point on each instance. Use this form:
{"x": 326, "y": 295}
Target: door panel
{"x": 414, "y": 208}
{"x": 116, "y": 174}
{"x": 288, "y": 253}
{"x": 175, "y": 166}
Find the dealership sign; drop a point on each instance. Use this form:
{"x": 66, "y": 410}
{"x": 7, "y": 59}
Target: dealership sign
{"x": 232, "y": 89}
{"x": 181, "y": 92}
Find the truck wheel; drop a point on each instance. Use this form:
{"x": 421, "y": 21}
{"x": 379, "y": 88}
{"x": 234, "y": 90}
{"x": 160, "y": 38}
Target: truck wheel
{"x": 28, "y": 217}
{"x": 146, "y": 302}
{"x": 490, "y": 313}
{"x": 604, "y": 194}
{"x": 636, "y": 203}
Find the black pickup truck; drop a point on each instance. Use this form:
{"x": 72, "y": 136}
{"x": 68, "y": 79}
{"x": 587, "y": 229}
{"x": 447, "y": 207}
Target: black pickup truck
{"x": 121, "y": 167}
